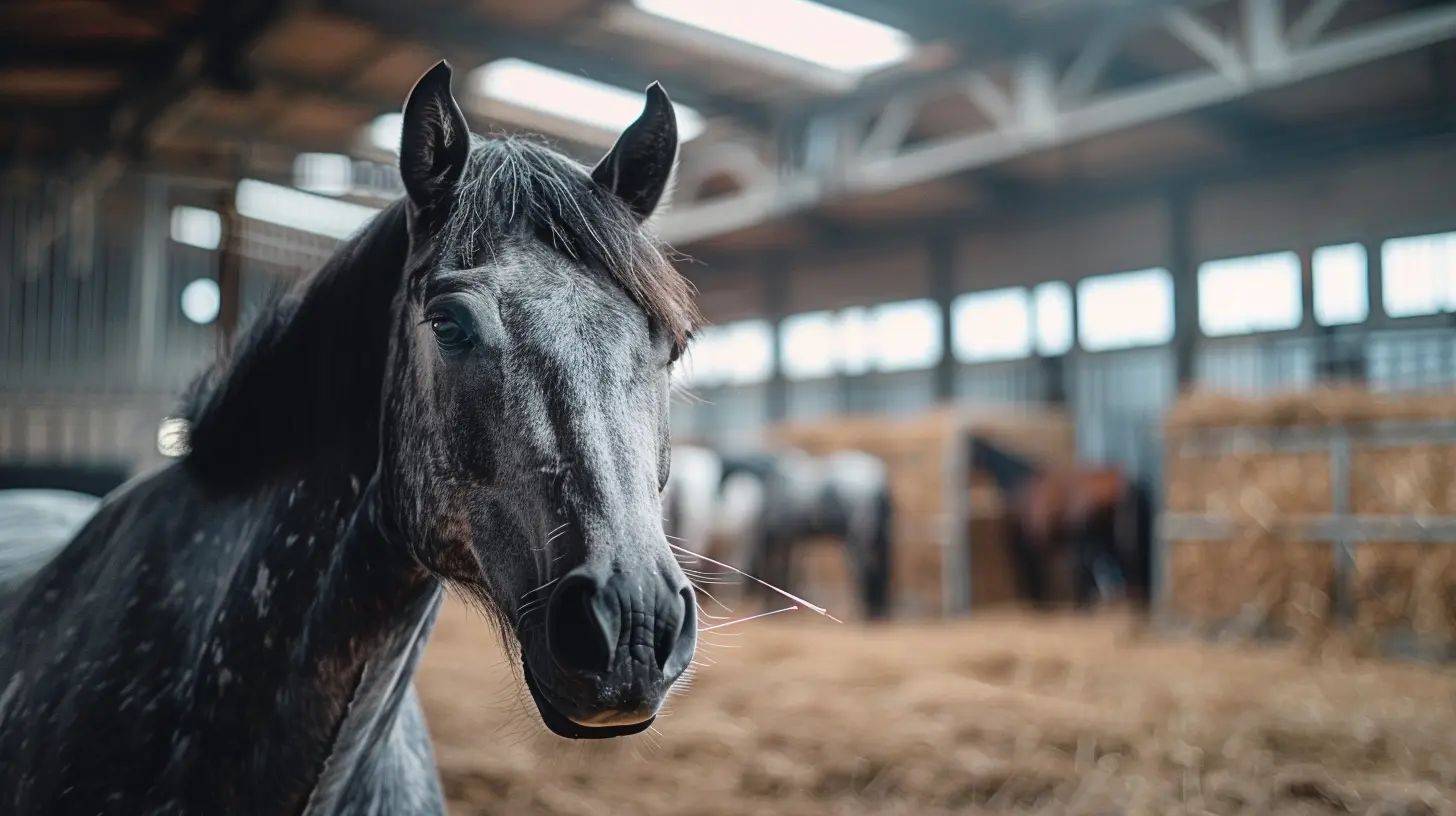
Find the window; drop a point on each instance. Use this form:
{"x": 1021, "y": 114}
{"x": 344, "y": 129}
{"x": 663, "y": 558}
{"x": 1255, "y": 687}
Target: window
{"x": 288, "y": 207}
{"x": 384, "y": 132}
{"x": 907, "y": 335}
{"x": 810, "y": 347}
{"x": 1252, "y": 294}
{"x": 329, "y": 174}
{"x": 1419, "y": 275}
{"x": 1341, "y": 285}
{"x": 196, "y": 227}
{"x": 737, "y": 353}
{"x": 1052, "y": 318}
{"x": 573, "y": 98}
{"x": 891, "y": 337}
{"x": 805, "y": 30}
{"x": 201, "y": 301}
{"x": 1124, "y": 310}
{"x": 856, "y": 341}
{"x": 993, "y": 325}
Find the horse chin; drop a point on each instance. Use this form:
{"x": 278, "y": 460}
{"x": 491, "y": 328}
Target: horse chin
{"x": 567, "y": 728}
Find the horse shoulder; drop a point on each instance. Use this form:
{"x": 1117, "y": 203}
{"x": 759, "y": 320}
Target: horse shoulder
{"x": 404, "y": 778}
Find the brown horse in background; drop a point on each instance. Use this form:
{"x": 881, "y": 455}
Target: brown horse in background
{"x": 1102, "y": 515}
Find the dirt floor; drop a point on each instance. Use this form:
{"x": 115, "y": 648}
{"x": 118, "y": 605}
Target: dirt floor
{"x": 1004, "y": 714}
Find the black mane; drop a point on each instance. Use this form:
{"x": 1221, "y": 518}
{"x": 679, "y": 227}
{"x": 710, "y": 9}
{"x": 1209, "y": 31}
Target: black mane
{"x": 304, "y": 381}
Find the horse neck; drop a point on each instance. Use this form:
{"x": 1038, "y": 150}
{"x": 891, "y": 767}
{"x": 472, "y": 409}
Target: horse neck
{"x": 324, "y": 619}
{"x": 1009, "y": 472}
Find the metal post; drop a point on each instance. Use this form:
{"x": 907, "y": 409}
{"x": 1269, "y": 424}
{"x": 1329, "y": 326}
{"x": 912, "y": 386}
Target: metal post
{"x": 1375, "y": 280}
{"x": 942, "y": 259}
{"x": 956, "y": 513}
{"x": 1182, "y": 266}
{"x": 775, "y": 276}
{"x": 229, "y": 269}
{"x": 1343, "y": 547}
{"x": 149, "y": 274}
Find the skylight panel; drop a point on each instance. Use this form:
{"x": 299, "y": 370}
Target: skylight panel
{"x": 801, "y": 29}
{"x": 572, "y": 98}
{"x": 288, "y": 207}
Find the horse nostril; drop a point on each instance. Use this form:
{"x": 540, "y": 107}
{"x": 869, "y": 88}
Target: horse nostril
{"x": 676, "y": 643}
{"x": 581, "y": 625}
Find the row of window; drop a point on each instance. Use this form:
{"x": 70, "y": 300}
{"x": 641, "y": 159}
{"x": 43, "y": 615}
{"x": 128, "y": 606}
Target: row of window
{"x": 1124, "y": 310}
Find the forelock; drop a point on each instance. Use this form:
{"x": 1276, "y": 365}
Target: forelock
{"x": 514, "y": 186}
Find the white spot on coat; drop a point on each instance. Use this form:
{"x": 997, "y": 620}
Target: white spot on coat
{"x": 262, "y": 589}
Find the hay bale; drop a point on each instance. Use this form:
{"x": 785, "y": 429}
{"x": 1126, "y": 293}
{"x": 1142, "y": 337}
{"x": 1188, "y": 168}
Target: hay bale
{"x": 1416, "y": 480}
{"x": 1253, "y": 585}
{"x": 1331, "y": 405}
{"x": 1263, "y": 486}
{"x": 1263, "y": 581}
{"x": 1406, "y": 587}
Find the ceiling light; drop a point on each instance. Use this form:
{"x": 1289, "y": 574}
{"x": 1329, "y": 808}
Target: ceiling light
{"x": 805, "y": 30}
{"x": 572, "y": 98}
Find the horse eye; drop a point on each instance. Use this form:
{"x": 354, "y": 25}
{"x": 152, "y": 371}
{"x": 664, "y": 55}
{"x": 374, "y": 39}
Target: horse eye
{"x": 449, "y": 334}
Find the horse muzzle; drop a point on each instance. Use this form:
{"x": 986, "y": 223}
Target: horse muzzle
{"x": 615, "y": 642}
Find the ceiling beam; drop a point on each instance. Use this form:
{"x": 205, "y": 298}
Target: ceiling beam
{"x": 1297, "y": 151}
{"x": 1233, "y": 121}
{"x": 1043, "y": 122}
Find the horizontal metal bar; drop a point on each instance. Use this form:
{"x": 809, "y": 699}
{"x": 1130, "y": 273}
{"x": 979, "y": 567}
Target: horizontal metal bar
{"x": 1309, "y": 438}
{"x": 1323, "y": 528}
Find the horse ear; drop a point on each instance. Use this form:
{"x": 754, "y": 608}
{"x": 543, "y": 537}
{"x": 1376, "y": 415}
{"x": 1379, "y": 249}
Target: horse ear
{"x": 638, "y": 167}
{"x": 435, "y": 140}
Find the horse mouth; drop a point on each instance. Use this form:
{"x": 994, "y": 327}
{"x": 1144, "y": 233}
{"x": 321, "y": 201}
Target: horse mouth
{"x": 567, "y": 728}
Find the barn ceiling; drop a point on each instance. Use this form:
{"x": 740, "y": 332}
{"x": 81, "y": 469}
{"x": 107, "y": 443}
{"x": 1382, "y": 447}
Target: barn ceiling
{"x": 233, "y": 87}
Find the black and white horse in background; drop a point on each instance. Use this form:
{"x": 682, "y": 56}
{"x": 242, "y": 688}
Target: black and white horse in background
{"x": 763, "y": 505}
{"x": 471, "y": 393}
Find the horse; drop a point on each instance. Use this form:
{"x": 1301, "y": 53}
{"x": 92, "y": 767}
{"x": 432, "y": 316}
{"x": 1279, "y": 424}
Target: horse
{"x": 470, "y": 395}
{"x": 765, "y": 503}
{"x": 1099, "y": 513}
{"x": 33, "y": 523}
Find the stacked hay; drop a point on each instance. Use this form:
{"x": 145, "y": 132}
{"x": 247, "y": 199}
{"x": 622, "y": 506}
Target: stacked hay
{"x": 1265, "y": 580}
{"x": 916, "y": 450}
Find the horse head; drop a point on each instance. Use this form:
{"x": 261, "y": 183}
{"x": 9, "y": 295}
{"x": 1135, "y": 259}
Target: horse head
{"x": 525, "y": 422}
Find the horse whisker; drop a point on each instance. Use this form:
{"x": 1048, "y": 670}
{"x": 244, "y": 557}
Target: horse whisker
{"x": 543, "y": 586}
{"x": 709, "y": 617}
{"x": 714, "y": 600}
{"x": 747, "y": 619}
{"x": 796, "y": 599}
{"x": 706, "y": 573}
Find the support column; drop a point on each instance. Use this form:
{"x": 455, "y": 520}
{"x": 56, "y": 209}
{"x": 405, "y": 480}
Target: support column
{"x": 1375, "y": 280}
{"x": 1054, "y": 379}
{"x": 775, "y": 277}
{"x": 229, "y": 269}
{"x": 149, "y": 275}
{"x": 1184, "y": 270}
{"x": 941, "y": 254}
{"x": 1306, "y": 287}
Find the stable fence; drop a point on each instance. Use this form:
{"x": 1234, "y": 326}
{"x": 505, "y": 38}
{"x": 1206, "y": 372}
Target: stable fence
{"x": 1310, "y": 515}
